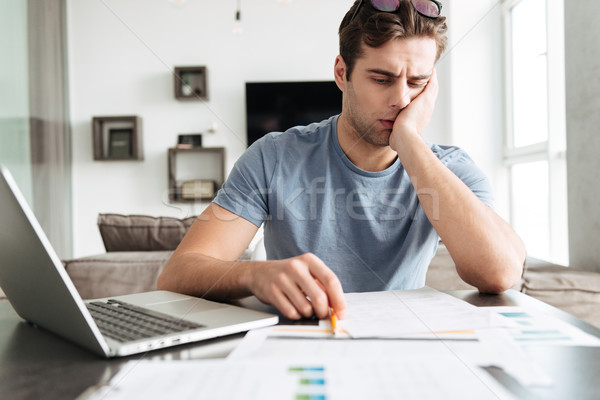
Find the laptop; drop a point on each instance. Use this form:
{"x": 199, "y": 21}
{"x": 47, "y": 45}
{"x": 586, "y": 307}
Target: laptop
{"x": 41, "y": 292}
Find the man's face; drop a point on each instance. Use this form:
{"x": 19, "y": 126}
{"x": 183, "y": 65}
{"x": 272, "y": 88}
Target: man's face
{"x": 383, "y": 82}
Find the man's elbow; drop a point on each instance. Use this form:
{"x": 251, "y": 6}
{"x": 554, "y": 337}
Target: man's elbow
{"x": 496, "y": 287}
{"x": 162, "y": 283}
{"x": 502, "y": 279}
{"x": 166, "y": 280}
{"x": 493, "y": 276}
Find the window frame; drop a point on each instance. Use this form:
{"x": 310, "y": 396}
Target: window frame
{"x": 552, "y": 150}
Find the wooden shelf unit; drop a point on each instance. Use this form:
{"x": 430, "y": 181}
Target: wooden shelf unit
{"x": 189, "y": 165}
{"x": 190, "y": 83}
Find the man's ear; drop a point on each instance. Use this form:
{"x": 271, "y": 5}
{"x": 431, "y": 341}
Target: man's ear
{"x": 339, "y": 72}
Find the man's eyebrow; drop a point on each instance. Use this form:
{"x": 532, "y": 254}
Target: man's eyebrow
{"x": 382, "y": 72}
{"x": 419, "y": 77}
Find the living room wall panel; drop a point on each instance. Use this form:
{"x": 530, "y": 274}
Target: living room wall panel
{"x": 122, "y": 54}
{"x": 582, "y": 55}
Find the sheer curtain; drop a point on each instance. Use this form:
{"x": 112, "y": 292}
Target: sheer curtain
{"x": 49, "y": 120}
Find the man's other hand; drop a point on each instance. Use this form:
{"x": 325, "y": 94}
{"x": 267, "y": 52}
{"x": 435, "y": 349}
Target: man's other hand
{"x": 298, "y": 287}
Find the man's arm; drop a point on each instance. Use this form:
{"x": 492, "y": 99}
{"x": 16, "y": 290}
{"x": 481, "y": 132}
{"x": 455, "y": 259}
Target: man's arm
{"x": 204, "y": 265}
{"x": 487, "y": 252}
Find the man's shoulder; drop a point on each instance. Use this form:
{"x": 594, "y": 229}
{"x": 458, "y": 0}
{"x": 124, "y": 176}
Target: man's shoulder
{"x": 293, "y": 145}
{"x": 315, "y": 132}
{"x": 450, "y": 154}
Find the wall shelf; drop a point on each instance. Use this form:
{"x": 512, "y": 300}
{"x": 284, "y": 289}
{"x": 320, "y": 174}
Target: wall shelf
{"x": 117, "y": 138}
{"x": 190, "y": 83}
{"x": 195, "y": 174}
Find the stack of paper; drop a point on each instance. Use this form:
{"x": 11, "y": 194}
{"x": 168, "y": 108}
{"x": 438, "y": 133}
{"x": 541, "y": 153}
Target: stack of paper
{"x": 416, "y": 344}
{"x": 409, "y": 313}
{"x": 302, "y": 380}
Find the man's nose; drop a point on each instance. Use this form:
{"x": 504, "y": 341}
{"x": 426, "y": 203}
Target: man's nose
{"x": 400, "y": 97}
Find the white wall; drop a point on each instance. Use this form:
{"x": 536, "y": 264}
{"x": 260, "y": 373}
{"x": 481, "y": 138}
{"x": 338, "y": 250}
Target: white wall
{"x": 476, "y": 88}
{"x": 121, "y": 57}
{"x": 122, "y": 53}
{"x": 582, "y": 55}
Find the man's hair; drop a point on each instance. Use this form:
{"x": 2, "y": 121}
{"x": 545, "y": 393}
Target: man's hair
{"x": 375, "y": 28}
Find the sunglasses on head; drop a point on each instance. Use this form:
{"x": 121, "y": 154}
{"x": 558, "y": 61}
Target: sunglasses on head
{"x": 427, "y": 8}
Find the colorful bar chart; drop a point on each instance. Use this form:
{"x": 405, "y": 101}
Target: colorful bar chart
{"x": 310, "y": 382}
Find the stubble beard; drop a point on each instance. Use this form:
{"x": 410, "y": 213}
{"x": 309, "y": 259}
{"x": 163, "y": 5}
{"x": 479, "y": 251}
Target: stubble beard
{"x": 369, "y": 132}
{"x": 366, "y": 128}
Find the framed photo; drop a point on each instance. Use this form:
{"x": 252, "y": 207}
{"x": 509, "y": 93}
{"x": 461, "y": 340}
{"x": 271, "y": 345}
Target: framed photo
{"x": 120, "y": 143}
{"x": 187, "y": 141}
{"x": 198, "y": 189}
{"x": 117, "y": 138}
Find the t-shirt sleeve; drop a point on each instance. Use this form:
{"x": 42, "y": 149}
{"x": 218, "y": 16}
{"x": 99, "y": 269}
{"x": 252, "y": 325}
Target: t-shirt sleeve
{"x": 245, "y": 192}
{"x": 459, "y": 162}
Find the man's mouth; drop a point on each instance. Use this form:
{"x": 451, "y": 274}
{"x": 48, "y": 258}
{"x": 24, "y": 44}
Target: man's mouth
{"x": 387, "y": 123}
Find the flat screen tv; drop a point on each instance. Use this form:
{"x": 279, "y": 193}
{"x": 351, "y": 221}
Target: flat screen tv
{"x": 278, "y": 106}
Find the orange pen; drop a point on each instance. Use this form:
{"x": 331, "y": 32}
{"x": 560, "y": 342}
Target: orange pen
{"x": 333, "y": 321}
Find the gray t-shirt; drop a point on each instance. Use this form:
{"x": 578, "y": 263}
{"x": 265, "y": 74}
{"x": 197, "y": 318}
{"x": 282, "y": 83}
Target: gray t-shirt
{"x": 368, "y": 227}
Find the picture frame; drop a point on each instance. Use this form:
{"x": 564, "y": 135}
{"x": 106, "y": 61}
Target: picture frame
{"x": 120, "y": 143}
{"x": 187, "y": 141}
{"x": 117, "y": 138}
{"x": 198, "y": 189}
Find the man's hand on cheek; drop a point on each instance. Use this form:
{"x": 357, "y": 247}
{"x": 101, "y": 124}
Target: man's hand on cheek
{"x": 413, "y": 119}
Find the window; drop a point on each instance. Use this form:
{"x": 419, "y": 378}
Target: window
{"x": 535, "y": 143}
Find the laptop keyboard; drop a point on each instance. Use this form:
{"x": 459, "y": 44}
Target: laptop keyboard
{"x": 126, "y": 322}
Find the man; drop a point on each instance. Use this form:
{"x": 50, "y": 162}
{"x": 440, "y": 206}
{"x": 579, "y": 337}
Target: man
{"x": 356, "y": 202}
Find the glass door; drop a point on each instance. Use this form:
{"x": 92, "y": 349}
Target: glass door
{"x": 15, "y": 146}
{"x": 34, "y": 118}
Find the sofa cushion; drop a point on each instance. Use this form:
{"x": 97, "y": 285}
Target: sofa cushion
{"x": 116, "y": 273}
{"x": 574, "y": 291}
{"x": 442, "y": 275}
{"x": 142, "y": 232}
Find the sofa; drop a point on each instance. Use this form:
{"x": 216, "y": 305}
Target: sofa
{"x": 138, "y": 247}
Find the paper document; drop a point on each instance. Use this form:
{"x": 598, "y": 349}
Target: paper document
{"x": 533, "y": 327}
{"x": 318, "y": 380}
{"x": 402, "y": 313}
{"x": 492, "y": 347}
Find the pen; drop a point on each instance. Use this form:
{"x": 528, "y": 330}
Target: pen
{"x": 333, "y": 321}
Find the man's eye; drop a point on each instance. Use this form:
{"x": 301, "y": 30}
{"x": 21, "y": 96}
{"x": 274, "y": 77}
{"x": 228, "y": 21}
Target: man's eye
{"x": 418, "y": 84}
{"x": 381, "y": 81}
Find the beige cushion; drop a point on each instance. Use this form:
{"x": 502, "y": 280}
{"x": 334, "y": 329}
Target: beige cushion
{"x": 142, "y": 232}
{"x": 442, "y": 274}
{"x": 574, "y": 291}
{"x": 116, "y": 273}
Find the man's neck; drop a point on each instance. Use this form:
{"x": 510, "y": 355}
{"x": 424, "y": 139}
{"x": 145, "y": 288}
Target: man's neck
{"x": 365, "y": 156}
